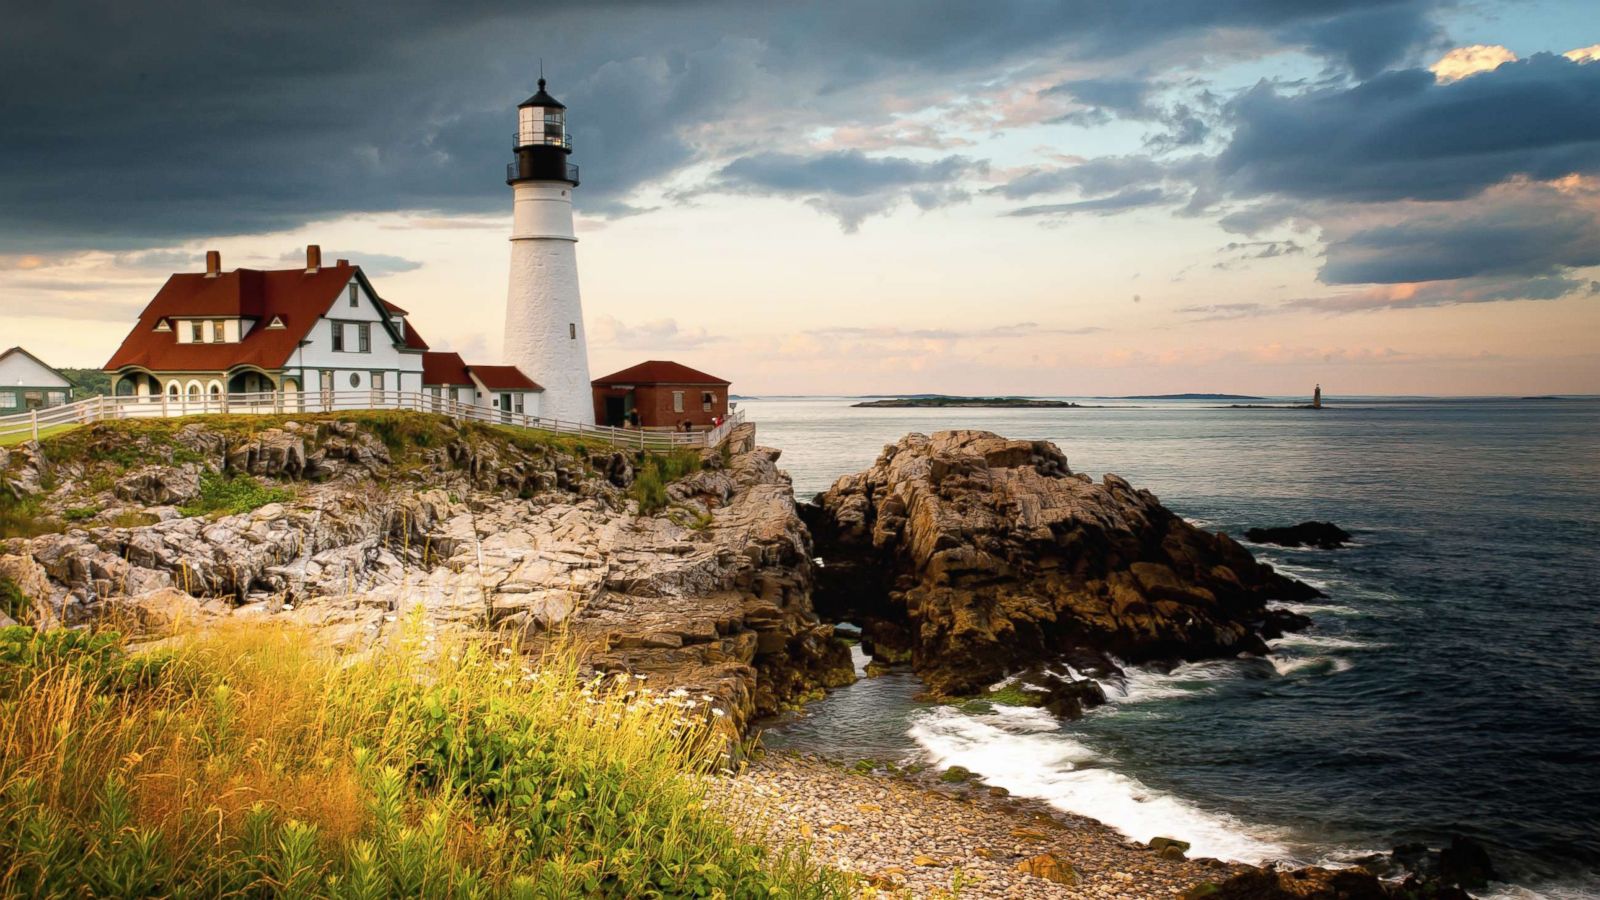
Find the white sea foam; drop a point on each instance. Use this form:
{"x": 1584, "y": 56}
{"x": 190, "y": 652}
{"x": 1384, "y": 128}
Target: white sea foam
{"x": 1587, "y": 890}
{"x": 1319, "y": 609}
{"x": 859, "y": 659}
{"x": 1024, "y": 751}
{"x": 1319, "y": 641}
{"x": 1137, "y": 685}
{"x": 1288, "y": 665}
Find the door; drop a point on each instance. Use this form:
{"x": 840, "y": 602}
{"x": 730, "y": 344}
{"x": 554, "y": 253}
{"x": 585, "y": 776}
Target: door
{"x": 505, "y": 408}
{"x": 616, "y": 411}
{"x": 327, "y": 389}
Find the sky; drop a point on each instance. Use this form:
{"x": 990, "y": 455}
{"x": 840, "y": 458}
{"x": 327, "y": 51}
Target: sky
{"x": 852, "y": 196}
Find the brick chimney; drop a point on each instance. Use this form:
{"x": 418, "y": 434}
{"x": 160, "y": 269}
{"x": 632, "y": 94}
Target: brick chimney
{"x": 344, "y": 263}
{"x": 313, "y": 259}
{"x": 213, "y": 263}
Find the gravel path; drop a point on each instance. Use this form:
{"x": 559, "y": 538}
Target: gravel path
{"x": 911, "y": 836}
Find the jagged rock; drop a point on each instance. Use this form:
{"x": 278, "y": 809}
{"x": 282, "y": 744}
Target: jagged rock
{"x": 485, "y": 534}
{"x": 1322, "y": 535}
{"x": 159, "y": 485}
{"x": 977, "y": 556}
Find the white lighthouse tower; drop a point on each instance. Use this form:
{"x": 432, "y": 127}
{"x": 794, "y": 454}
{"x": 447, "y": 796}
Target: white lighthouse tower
{"x": 544, "y": 312}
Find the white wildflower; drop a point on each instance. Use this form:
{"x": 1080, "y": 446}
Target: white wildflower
{"x": 717, "y": 711}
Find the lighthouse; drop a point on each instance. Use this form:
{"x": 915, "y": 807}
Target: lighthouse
{"x": 544, "y": 312}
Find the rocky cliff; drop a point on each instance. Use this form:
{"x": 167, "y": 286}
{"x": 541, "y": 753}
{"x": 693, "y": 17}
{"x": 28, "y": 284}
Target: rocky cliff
{"x": 975, "y": 557}
{"x": 372, "y": 519}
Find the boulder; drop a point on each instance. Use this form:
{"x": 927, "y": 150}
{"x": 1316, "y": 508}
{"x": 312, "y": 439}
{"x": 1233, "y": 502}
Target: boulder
{"x": 976, "y": 557}
{"x": 1321, "y": 535}
{"x": 160, "y": 485}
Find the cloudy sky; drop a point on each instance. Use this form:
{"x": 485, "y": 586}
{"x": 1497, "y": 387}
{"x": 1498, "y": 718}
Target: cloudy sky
{"x": 1072, "y": 197}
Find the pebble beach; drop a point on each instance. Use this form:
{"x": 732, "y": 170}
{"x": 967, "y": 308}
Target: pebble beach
{"x": 909, "y": 834}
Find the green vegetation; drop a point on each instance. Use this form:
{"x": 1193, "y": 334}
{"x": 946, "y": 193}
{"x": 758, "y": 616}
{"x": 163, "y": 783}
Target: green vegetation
{"x": 1013, "y": 695}
{"x": 88, "y": 382}
{"x": 956, "y": 775}
{"x": 22, "y": 437}
{"x": 248, "y": 763}
{"x": 230, "y": 495}
{"x": 12, "y": 601}
{"x": 657, "y": 470}
{"x": 24, "y": 517}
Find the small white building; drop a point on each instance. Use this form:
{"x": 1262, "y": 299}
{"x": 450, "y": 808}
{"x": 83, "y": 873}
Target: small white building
{"x": 27, "y": 383}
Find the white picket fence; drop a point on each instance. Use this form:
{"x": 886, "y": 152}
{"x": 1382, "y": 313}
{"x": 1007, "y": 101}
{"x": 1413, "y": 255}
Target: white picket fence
{"x": 105, "y": 409}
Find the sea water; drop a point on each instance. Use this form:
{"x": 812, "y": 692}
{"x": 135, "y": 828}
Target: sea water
{"x": 1450, "y": 685}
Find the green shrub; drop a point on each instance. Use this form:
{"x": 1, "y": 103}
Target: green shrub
{"x": 655, "y": 471}
{"x": 80, "y": 514}
{"x": 24, "y": 517}
{"x": 13, "y": 602}
{"x": 230, "y": 495}
{"x": 248, "y": 763}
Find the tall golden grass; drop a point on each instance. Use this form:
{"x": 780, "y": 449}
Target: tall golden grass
{"x": 253, "y": 762}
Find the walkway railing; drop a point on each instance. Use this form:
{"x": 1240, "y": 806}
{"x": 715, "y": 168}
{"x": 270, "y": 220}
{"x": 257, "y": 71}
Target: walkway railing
{"x": 104, "y": 409}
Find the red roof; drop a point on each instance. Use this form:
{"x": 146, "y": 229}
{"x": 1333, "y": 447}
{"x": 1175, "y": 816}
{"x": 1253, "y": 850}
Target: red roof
{"x": 294, "y": 296}
{"x": 504, "y": 378}
{"x": 659, "y": 371}
{"x": 395, "y": 309}
{"x": 444, "y": 369}
{"x": 414, "y": 341}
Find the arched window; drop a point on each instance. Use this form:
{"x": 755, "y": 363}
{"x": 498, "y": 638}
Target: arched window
{"x": 194, "y": 390}
{"x": 215, "y": 389}
{"x": 173, "y": 390}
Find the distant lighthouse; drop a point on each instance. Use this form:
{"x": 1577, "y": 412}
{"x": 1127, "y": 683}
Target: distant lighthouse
{"x": 1316, "y": 398}
{"x": 544, "y": 312}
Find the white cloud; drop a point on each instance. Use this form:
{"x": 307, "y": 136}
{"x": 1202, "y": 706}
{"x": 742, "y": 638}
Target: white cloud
{"x": 1464, "y": 61}
{"x": 1587, "y": 54}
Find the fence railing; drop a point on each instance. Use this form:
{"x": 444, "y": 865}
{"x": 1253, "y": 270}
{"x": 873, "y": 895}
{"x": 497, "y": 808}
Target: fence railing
{"x": 102, "y": 409}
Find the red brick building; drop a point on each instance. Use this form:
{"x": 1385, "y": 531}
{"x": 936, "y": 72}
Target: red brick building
{"x": 660, "y": 394}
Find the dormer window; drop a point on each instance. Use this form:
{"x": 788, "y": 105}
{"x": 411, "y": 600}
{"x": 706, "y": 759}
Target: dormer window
{"x": 277, "y": 322}
{"x": 219, "y": 332}
{"x": 162, "y": 325}
{"x": 355, "y": 297}
{"x": 197, "y": 332}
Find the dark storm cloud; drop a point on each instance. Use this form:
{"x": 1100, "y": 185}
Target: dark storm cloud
{"x": 1535, "y": 235}
{"x": 131, "y": 125}
{"x": 848, "y": 173}
{"x": 1403, "y": 136}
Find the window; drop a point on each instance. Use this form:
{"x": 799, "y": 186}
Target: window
{"x": 338, "y": 336}
{"x": 219, "y": 331}
{"x": 364, "y": 337}
{"x": 355, "y": 295}
{"x": 8, "y": 400}
{"x": 355, "y": 379}
{"x": 677, "y": 401}
{"x": 707, "y": 399}
{"x": 56, "y": 398}
{"x": 194, "y": 390}
{"x": 277, "y": 322}
{"x": 572, "y": 330}
{"x": 161, "y": 325}
{"x": 197, "y": 332}
{"x": 376, "y": 380}
{"x": 173, "y": 390}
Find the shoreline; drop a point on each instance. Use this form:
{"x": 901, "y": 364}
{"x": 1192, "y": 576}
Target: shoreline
{"x": 911, "y": 831}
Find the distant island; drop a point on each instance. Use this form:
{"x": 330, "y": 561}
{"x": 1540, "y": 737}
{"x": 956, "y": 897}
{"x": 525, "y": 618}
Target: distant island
{"x": 939, "y": 401}
{"x": 1189, "y": 397}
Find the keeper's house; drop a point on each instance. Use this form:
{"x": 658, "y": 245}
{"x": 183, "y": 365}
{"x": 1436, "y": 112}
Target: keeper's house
{"x": 319, "y": 330}
{"x": 660, "y": 393}
{"x": 27, "y": 383}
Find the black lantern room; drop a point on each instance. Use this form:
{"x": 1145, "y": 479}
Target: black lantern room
{"x": 541, "y": 142}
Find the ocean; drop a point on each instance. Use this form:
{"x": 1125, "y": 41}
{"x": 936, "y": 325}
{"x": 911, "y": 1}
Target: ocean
{"x": 1450, "y": 684}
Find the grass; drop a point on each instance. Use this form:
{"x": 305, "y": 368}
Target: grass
{"x": 657, "y": 470}
{"x": 231, "y": 495}
{"x": 24, "y": 517}
{"x": 12, "y": 601}
{"x": 22, "y": 437}
{"x": 249, "y": 763}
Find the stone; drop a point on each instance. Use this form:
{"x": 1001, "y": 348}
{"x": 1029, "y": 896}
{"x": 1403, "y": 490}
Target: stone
{"x": 157, "y": 485}
{"x": 975, "y": 557}
{"x": 1049, "y": 867}
{"x": 1321, "y": 535}
{"x": 926, "y": 861}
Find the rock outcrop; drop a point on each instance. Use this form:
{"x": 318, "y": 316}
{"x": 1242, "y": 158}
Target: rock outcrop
{"x": 458, "y": 525}
{"x": 1322, "y": 535}
{"x": 974, "y": 557}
